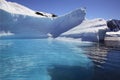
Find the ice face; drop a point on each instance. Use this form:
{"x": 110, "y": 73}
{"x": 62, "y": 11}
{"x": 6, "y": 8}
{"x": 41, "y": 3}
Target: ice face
{"x": 68, "y": 21}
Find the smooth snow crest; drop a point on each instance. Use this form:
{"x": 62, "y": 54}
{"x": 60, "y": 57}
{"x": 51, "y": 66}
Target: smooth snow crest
{"x": 16, "y": 8}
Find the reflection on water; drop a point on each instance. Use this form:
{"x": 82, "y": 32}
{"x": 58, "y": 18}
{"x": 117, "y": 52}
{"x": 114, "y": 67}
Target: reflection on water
{"x": 43, "y": 60}
{"x": 106, "y": 61}
{"x": 112, "y": 41}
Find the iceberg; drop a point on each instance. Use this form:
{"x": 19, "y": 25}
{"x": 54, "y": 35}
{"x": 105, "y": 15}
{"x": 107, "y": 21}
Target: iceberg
{"x": 88, "y": 30}
{"x": 5, "y": 34}
{"x": 113, "y": 34}
{"x": 112, "y": 39}
{"x": 25, "y": 23}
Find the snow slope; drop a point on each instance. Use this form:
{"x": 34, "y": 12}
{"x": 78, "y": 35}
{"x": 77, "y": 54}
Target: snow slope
{"x": 16, "y": 8}
{"x": 22, "y": 22}
{"x": 89, "y": 30}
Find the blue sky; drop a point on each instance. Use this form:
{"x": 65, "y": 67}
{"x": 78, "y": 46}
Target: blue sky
{"x": 108, "y": 9}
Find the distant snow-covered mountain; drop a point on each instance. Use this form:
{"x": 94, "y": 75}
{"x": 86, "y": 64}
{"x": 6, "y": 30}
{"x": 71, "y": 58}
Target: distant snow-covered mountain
{"x": 23, "y": 22}
{"x": 113, "y": 25}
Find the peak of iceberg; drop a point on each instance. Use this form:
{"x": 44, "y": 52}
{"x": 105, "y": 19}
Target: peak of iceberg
{"x": 24, "y": 23}
{"x": 68, "y": 21}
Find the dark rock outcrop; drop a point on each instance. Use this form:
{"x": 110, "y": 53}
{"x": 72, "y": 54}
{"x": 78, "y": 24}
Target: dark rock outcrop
{"x": 43, "y": 14}
{"x": 53, "y": 15}
{"x": 113, "y": 25}
{"x": 39, "y": 13}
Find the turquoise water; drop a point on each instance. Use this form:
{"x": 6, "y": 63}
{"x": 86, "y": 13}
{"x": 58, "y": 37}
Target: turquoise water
{"x": 49, "y": 59}
{"x": 44, "y": 59}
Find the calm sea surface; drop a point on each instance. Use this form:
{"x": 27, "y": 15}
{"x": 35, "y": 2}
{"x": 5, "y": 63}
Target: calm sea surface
{"x": 47, "y": 59}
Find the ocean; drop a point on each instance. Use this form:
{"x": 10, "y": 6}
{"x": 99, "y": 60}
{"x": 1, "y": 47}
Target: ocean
{"x": 50, "y": 59}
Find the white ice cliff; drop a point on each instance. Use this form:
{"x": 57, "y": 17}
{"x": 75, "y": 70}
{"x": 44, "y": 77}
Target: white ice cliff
{"x": 22, "y": 22}
{"x": 88, "y": 30}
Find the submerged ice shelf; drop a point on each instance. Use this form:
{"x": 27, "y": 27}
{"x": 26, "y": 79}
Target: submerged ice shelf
{"x": 43, "y": 59}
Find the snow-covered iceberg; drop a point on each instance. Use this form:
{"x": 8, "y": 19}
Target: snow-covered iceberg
{"x": 88, "y": 30}
{"x": 22, "y": 22}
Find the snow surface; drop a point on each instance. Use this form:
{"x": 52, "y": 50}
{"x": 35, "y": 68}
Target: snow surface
{"x": 24, "y": 23}
{"x": 88, "y": 30}
{"x": 113, "y": 34}
{"x": 16, "y": 8}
